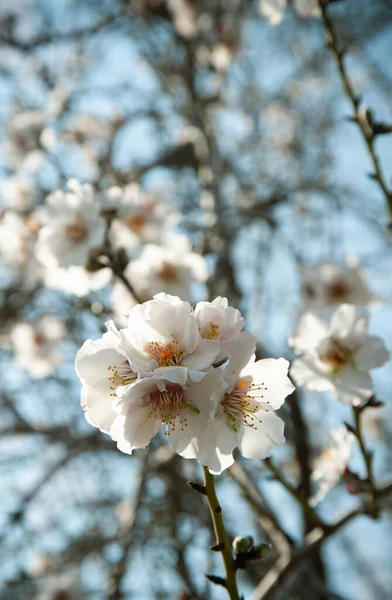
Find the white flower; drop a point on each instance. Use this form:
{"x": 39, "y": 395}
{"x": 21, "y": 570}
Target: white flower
{"x": 171, "y": 268}
{"x": 73, "y": 227}
{"x": 329, "y": 467}
{"x": 329, "y": 284}
{"x": 244, "y": 417}
{"x": 77, "y": 280}
{"x": 19, "y": 192}
{"x": 17, "y": 238}
{"x": 274, "y": 10}
{"x": 35, "y": 347}
{"x": 220, "y": 322}
{"x": 139, "y": 218}
{"x": 103, "y": 367}
{"x": 337, "y": 355}
{"x": 158, "y": 374}
{"x": 133, "y": 409}
{"x": 164, "y": 333}
{"x": 155, "y": 403}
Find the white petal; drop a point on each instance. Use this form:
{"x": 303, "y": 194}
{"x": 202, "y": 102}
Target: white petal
{"x": 272, "y": 373}
{"x": 372, "y": 354}
{"x": 94, "y": 358}
{"x": 353, "y": 387}
{"x": 203, "y": 356}
{"x": 139, "y": 427}
{"x": 208, "y": 393}
{"x": 258, "y": 442}
{"x": 98, "y": 404}
{"x": 310, "y": 331}
{"x": 308, "y": 371}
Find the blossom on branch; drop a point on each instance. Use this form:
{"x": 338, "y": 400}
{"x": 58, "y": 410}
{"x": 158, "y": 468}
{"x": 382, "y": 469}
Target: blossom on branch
{"x": 337, "y": 355}
{"x": 171, "y": 268}
{"x": 189, "y": 372}
{"x": 73, "y": 226}
{"x": 329, "y": 467}
{"x": 35, "y": 346}
{"x": 327, "y": 284}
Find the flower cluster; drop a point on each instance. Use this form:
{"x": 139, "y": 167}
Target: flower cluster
{"x": 189, "y": 372}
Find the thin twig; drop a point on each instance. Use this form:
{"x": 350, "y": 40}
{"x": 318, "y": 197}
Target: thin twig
{"x": 222, "y": 539}
{"x": 314, "y": 540}
{"x": 361, "y": 115}
{"x": 368, "y": 459}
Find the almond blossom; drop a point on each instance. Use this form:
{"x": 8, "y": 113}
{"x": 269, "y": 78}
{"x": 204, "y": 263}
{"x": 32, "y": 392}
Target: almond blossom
{"x": 138, "y": 217}
{"x": 274, "y": 10}
{"x": 171, "y": 268}
{"x": 181, "y": 409}
{"x": 245, "y": 403}
{"x": 164, "y": 333}
{"x": 328, "y": 284}
{"x": 337, "y": 355}
{"x": 73, "y": 226}
{"x": 190, "y": 373}
{"x": 36, "y": 346}
{"x": 329, "y": 467}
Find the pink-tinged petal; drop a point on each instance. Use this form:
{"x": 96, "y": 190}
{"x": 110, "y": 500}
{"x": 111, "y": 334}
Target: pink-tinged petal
{"x": 353, "y": 387}
{"x": 308, "y": 371}
{"x": 203, "y": 356}
{"x": 271, "y": 375}
{"x": 259, "y": 441}
{"x": 371, "y": 354}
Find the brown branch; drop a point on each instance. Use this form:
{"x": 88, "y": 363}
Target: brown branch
{"x": 315, "y": 539}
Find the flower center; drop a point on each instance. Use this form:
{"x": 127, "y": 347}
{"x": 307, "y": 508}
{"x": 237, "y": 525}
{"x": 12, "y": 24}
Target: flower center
{"x": 212, "y": 331}
{"x": 135, "y": 221}
{"x": 337, "y": 291}
{"x": 168, "y": 406}
{"x": 337, "y": 354}
{"x": 167, "y": 272}
{"x": 166, "y": 355}
{"x": 76, "y": 231}
{"x": 120, "y": 374}
{"x": 243, "y": 402}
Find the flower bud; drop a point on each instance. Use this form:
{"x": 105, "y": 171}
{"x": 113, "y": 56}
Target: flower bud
{"x": 243, "y": 544}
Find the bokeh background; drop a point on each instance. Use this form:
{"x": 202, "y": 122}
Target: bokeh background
{"x": 241, "y": 133}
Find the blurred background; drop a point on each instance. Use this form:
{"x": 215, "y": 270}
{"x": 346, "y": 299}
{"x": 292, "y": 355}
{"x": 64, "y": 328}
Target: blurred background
{"x": 227, "y": 125}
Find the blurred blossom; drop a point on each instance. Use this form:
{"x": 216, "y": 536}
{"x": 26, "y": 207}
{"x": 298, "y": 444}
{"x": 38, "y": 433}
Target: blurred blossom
{"x": 72, "y": 226}
{"x": 24, "y": 131}
{"x": 35, "y": 346}
{"x": 17, "y": 239}
{"x": 19, "y": 192}
{"x": 327, "y": 285}
{"x": 274, "y": 10}
{"x": 185, "y": 17}
{"x": 77, "y": 280}
{"x": 171, "y": 268}
{"x": 337, "y": 355}
{"x": 139, "y": 216}
{"x": 329, "y": 467}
